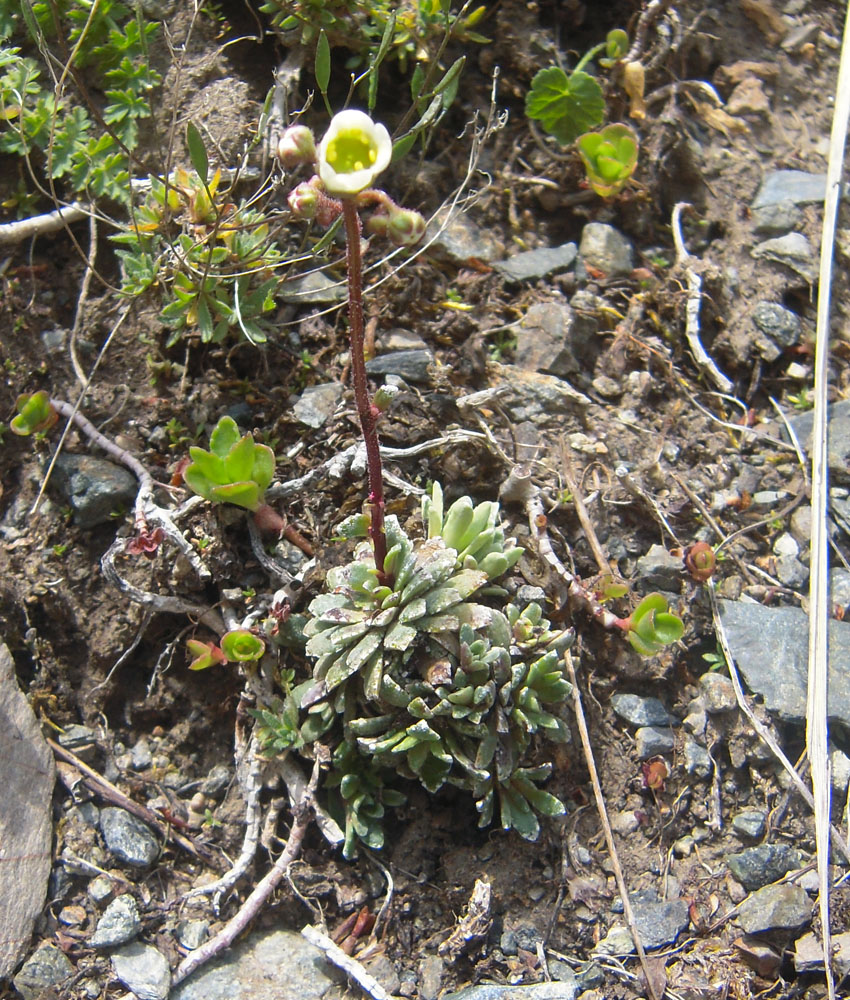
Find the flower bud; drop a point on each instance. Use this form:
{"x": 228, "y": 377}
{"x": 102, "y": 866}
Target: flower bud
{"x": 383, "y": 397}
{"x": 296, "y": 147}
{"x": 405, "y": 228}
{"x": 377, "y": 224}
{"x": 303, "y": 200}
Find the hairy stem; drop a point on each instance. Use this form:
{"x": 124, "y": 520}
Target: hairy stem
{"x": 368, "y": 416}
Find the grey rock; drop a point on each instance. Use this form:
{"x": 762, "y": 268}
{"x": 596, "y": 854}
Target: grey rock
{"x": 401, "y": 340}
{"x": 718, "y": 693}
{"x": 605, "y": 248}
{"x": 542, "y": 399}
{"x": 839, "y": 586}
{"x": 100, "y": 889}
{"x": 697, "y": 759}
{"x": 143, "y": 970}
{"x": 808, "y": 953}
{"x": 755, "y": 867}
{"x": 47, "y": 966}
{"x": 770, "y": 646}
{"x": 799, "y": 36}
{"x": 54, "y": 339}
{"x": 651, "y": 741}
{"x": 140, "y": 756}
{"x": 410, "y": 365}
{"x": 749, "y": 823}
{"x": 786, "y": 545}
{"x": 119, "y": 923}
{"x": 454, "y": 236}
{"x": 795, "y": 186}
{"x": 791, "y": 572}
{"x": 551, "y": 338}
{"x": 539, "y": 991}
{"x": 313, "y": 289}
{"x": 93, "y": 488}
{"x": 775, "y": 907}
{"x": 780, "y": 324}
{"x": 607, "y": 387}
{"x": 769, "y": 498}
{"x": 383, "y": 970}
{"x": 80, "y": 740}
{"x": 660, "y": 923}
{"x": 776, "y": 219}
{"x": 217, "y": 781}
{"x": 431, "y": 970}
{"x": 317, "y": 403}
{"x": 838, "y": 415}
{"x": 801, "y": 524}
{"x": 640, "y": 710}
{"x": 192, "y": 933}
{"x": 840, "y": 774}
{"x": 128, "y": 838}
{"x": 268, "y": 965}
{"x": 527, "y": 593}
{"x": 659, "y": 570}
{"x": 793, "y": 250}
{"x": 535, "y": 264}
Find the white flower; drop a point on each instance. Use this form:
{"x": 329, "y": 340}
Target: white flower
{"x": 353, "y": 152}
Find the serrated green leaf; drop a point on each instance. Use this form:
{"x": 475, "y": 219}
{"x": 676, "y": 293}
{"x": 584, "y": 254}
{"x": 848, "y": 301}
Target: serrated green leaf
{"x": 565, "y": 106}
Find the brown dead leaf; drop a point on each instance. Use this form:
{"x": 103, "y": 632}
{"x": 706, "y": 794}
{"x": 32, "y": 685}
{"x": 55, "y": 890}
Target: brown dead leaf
{"x": 654, "y": 968}
{"x": 719, "y": 120}
{"x": 766, "y": 18}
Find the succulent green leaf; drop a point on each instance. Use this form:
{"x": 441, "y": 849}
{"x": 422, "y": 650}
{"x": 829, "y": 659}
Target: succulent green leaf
{"x": 35, "y": 414}
{"x": 242, "y": 645}
{"x": 241, "y": 494}
{"x": 225, "y": 435}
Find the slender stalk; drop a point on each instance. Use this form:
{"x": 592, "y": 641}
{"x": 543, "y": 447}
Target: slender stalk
{"x": 367, "y": 413}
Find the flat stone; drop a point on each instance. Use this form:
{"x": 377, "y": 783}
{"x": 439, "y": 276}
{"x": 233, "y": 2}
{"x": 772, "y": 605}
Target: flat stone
{"x": 605, "y": 249}
{"x": 119, "y": 923}
{"x": 413, "y": 366}
{"x": 93, "y": 488}
{"x": 780, "y": 324}
{"x": 840, "y": 773}
{"x": 755, "y": 867}
{"x": 192, "y": 933}
{"x": 791, "y": 572}
{"x": 267, "y": 965}
{"x": 128, "y": 838}
{"x": 659, "y": 570}
{"x": 718, "y": 693}
{"x": 749, "y": 823}
{"x": 552, "y": 337}
{"x": 748, "y": 98}
{"x": 839, "y": 586}
{"x": 535, "y": 264}
{"x": 317, "y": 403}
{"x": 786, "y": 545}
{"x": 775, "y": 219}
{"x": 770, "y": 646}
{"x": 793, "y": 250}
{"x": 758, "y": 955}
{"x": 775, "y": 907}
{"x": 312, "y": 289}
{"x": 657, "y": 924}
{"x": 452, "y": 235}
{"x": 697, "y": 759}
{"x": 795, "y": 186}
{"x": 541, "y": 399}
{"x": 808, "y": 953}
{"x": 538, "y": 991}
{"x": 640, "y": 710}
{"x": 838, "y": 442}
{"x": 652, "y": 741}
{"x": 144, "y": 970}
{"x": 431, "y": 971}
{"x": 47, "y": 966}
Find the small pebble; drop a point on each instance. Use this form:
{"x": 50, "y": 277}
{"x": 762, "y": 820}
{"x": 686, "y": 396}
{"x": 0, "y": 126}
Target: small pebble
{"x": 749, "y": 824}
{"x": 718, "y": 693}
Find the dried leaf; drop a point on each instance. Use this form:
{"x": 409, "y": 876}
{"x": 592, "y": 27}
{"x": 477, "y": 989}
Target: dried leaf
{"x": 768, "y": 20}
{"x": 634, "y": 81}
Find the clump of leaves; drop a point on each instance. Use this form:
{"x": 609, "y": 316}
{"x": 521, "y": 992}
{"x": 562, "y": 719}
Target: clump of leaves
{"x": 610, "y": 157}
{"x": 235, "y": 470}
{"x": 239, "y": 645}
{"x": 415, "y": 675}
{"x": 214, "y": 260}
{"x": 568, "y": 105}
{"x": 56, "y": 134}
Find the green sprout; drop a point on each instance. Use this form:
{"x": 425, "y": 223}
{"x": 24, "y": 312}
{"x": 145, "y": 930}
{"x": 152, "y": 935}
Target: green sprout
{"x": 235, "y": 470}
{"x": 652, "y": 626}
{"x": 204, "y": 654}
{"x": 35, "y": 414}
{"x": 609, "y": 157}
{"x": 240, "y": 645}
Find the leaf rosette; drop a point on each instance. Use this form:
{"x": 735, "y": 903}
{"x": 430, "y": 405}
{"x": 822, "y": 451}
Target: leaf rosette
{"x": 235, "y": 470}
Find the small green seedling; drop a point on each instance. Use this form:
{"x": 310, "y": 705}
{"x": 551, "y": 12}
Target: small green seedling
{"x": 609, "y": 157}
{"x": 241, "y": 645}
{"x": 567, "y": 106}
{"x": 204, "y": 654}
{"x": 235, "y": 470}
{"x": 652, "y": 626}
{"x": 35, "y": 414}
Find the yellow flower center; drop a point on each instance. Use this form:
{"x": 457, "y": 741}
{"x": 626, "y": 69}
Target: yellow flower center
{"x": 350, "y": 151}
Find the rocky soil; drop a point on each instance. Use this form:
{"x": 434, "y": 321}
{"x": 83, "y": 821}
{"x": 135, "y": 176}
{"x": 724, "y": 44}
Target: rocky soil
{"x": 540, "y": 325}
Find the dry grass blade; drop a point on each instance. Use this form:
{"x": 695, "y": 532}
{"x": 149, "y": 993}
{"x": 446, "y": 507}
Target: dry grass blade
{"x": 816, "y": 714}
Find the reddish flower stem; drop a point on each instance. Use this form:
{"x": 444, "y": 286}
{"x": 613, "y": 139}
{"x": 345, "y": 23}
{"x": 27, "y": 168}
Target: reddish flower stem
{"x": 368, "y": 415}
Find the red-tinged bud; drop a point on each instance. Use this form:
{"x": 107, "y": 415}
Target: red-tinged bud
{"x": 296, "y": 147}
{"x": 377, "y": 224}
{"x": 304, "y": 200}
{"x": 700, "y": 561}
{"x": 405, "y": 228}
